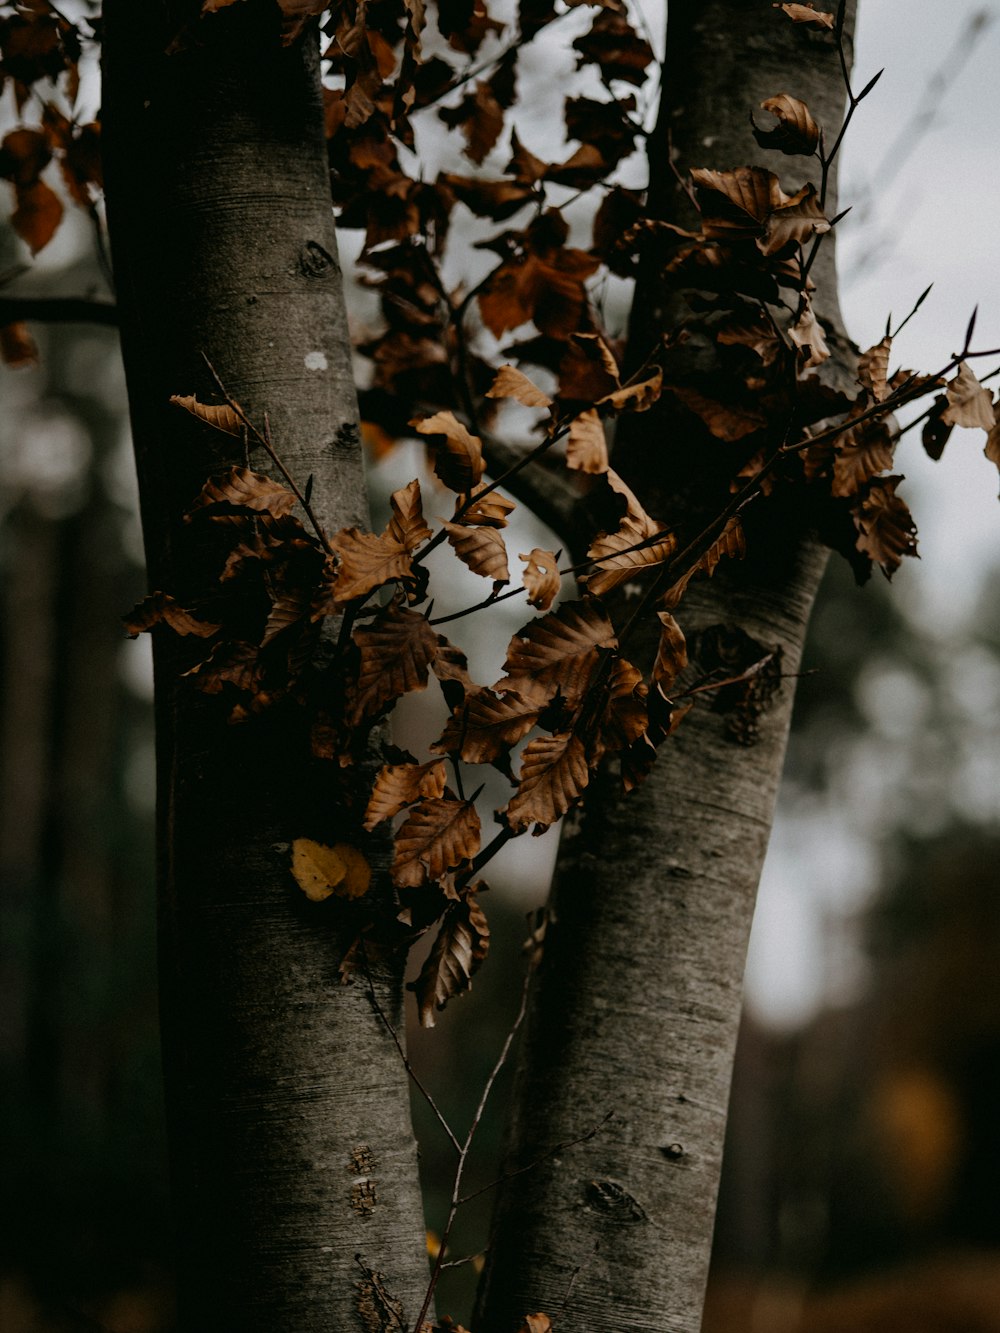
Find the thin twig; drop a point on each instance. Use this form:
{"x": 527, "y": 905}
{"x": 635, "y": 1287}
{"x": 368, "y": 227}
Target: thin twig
{"x": 543, "y": 1157}
{"x": 264, "y": 440}
{"x": 373, "y": 998}
{"x": 456, "y": 1196}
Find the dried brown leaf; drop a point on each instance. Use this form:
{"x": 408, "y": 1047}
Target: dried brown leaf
{"x": 229, "y": 663}
{"x": 616, "y": 551}
{"x": 396, "y": 649}
{"x": 624, "y": 718}
{"x": 637, "y": 397}
{"x": 587, "y": 445}
{"x": 541, "y": 577}
{"x": 886, "y": 531}
{"x": 460, "y": 948}
{"x": 671, "y": 654}
{"x": 159, "y": 608}
{"x": 220, "y": 417}
{"x": 399, "y": 785}
{"x": 438, "y": 835}
{"x": 490, "y": 723}
{"x": 861, "y": 453}
{"x": 806, "y": 14}
{"x": 554, "y": 774}
{"x": 511, "y": 383}
{"x": 366, "y": 562}
{"x": 559, "y": 650}
{"x": 489, "y": 512}
{"x": 407, "y": 525}
{"x": 873, "y": 369}
{"x": 969, "y": 403}
{"x": 245, "y": 489}
{"x": 459, "y": 462}
{"x": 482, "y": 549}
{"x": 808, "y": 336}
{"x": 795, "y": 220}
{"x": 730, "y": 542}
{"x": 796, "y": 131}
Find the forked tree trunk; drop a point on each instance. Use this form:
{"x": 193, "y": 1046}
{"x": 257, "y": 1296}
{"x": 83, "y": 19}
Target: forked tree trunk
{"x": 637, "y": 1004}
{"x": 292, "y": 1157}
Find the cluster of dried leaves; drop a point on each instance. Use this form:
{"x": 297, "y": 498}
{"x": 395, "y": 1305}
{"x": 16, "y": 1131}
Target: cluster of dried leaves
{"x": 569, "y": 698}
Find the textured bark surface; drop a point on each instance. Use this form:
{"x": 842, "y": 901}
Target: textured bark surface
{"x": 638, "y": 999}
{"x": 292, "y": 1157}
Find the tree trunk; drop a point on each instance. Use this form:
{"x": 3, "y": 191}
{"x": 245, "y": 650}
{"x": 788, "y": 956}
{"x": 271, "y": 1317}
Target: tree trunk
{"x": 637, "y": 1003}
{"x": 293, "y": 1163}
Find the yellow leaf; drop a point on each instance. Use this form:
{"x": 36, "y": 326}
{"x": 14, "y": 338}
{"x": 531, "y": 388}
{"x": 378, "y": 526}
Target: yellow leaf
{"x": 321, "y": 871}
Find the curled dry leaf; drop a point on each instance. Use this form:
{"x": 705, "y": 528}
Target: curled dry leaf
{"x": 671, "y": 654}
{"x": 399, "y": 785}
{"x": 730, "y": 542}
{"x": 886, "y": 531}
{"x": 159, "y": 608}
{"x": 624, "y": 718}
{"x": 796, "y": 131}
{"x": 616, "y": 551}
{"x": 873, "y": 369}
{"x": 861, "y": 453}
{"x": 245, "y": 489}
{"x": 587, "y": 445}
{"x": 229, "y": 663}
{"x": 489, "y": 512}
{"x": 396, "y": 651}
{"x": 482, "y": 549}
{"x": 969, "y": 403}
{"x": 806, "y": 14}
{"x": 460, "y": 948}
{"x": 554, "y": 774}
{"x": 511, "y": 383}
{"x": 637, "y": 397}
{"x": 808, "y": 336}
{"x": 750, "y": 204}
{"x": 407, "y": 525}
{"x": 321, "y": 871}
{"x": 490, "y": 723}
{"x": 541, "y": 577}
{"x": 459, "y": 461}
{"x": 559, "y": 650}
{"x": 222, "y": 418}
{"x": 438, "y": 835}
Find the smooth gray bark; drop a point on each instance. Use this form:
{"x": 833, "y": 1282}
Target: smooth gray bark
{"x": 637, "y": 1004}
{"x": 292, "y": 1157}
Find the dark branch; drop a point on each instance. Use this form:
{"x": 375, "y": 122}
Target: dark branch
{"x": 57, "y": 310}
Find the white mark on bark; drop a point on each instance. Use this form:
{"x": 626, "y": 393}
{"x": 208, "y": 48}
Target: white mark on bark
{"x": 315, "y": 361}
